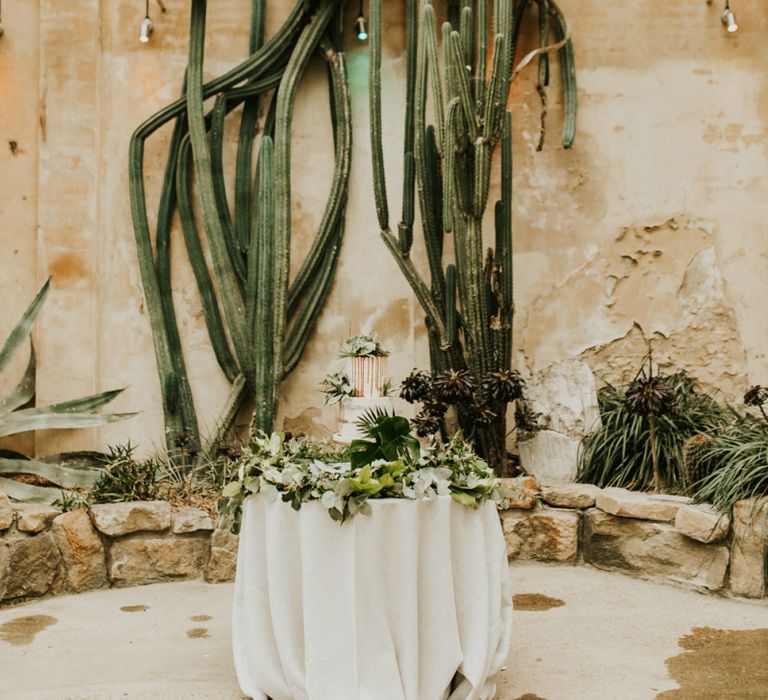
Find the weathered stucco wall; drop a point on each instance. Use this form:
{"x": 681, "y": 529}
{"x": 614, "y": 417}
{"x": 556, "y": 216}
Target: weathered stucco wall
{"x": 652, "y": 226}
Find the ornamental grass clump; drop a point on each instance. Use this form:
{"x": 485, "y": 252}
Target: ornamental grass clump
{"x": 645, "y": 427}
{"x": 732, "y": 460}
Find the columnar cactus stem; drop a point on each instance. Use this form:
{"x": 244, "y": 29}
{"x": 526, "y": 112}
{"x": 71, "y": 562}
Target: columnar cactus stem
{"x": 249, "y": 249}
{"x": 468, "y": 303}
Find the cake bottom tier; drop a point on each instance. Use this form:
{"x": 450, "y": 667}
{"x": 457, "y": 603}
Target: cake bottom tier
{"x": 352, "y": 410}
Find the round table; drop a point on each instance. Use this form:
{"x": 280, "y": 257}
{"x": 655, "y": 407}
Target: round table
{"x": 412, "y": 602}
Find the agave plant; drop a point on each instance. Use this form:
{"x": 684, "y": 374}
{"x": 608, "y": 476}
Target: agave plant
{"x": 69, "y": 470}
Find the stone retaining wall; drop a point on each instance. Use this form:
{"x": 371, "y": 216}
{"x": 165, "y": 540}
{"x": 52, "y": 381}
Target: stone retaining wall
{"x": 46, "y": 552}
{"x": 658, "y": 537}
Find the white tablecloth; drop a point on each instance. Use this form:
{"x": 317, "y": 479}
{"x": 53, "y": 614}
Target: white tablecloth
{"x": 388, "y": 606}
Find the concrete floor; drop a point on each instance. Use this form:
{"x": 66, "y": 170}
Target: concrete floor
{"x": 609, "y": 639}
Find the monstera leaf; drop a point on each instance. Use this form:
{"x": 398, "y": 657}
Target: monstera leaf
{"x": 69, "y": 470}
{"x": 388, "y": 438}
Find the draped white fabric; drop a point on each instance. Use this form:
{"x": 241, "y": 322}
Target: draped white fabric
{"x": 412, "y": 602}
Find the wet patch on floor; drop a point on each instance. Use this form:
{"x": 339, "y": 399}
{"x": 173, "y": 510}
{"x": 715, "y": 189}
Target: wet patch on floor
{"x": 200, "y": 618}
{"x": 198, "y": 633}
{"x": 719, "y": 664}
{"x": 536, "y": 602}
{"x": 135, "y": 608}
{"x": 529, "y": 696}
{"x": 22, "y": 630}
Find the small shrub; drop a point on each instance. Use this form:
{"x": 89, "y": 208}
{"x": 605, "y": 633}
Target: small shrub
{"x": 124, "y": 478}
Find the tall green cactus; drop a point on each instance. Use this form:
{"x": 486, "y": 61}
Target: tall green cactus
{"x": 468, "y": 301}
{"x": 258, "y": 320}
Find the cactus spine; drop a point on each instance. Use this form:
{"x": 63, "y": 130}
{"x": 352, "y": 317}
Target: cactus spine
{"x": 468, "y": 301}
{"x": 258, "y": 322}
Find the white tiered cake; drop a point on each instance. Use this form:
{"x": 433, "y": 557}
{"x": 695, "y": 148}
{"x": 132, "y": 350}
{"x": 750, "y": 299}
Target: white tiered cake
{"x": 368, "y": 387}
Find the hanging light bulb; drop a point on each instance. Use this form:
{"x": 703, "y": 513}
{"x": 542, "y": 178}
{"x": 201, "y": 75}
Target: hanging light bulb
{"x": 360, "y": 28}
{"x": 145, "y": 29}
{"x": 728, "y": 18}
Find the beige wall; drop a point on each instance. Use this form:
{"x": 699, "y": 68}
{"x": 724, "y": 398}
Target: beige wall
{"x": 652, "y": 226}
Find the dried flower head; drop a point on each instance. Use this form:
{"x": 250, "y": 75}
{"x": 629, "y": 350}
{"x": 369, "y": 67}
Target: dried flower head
{"x": 481, "y": 414}
{"x": 756, "y": 396}
{"x": 454, "y": 385}
{"x": 503, "y": 385}
{"x": 416, "y": 386}
{"x": 650, "y": 396}
{"x": 426, "y": 424}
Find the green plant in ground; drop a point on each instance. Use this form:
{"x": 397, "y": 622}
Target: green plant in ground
{"x": 468, "y": 300}
{"x": 651, "y": 397}
{"x": 68, "y": 470}
{"x": 621, "y": 452}
{"x": 258, "y": 323}
{"x": 730, "y": 463}
{"x": 125, "y": 478}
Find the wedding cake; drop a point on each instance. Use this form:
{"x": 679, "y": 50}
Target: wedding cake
{"x": 368, "y": 392}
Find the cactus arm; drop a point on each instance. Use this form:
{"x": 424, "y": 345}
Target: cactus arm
{"x": 504, "y": 241}
{"x": 568, "y": 79}
{"x": 248, "y": 127}
{"x": 482, "y": 49}
{"x": 450, "y": 304}
{"x": 429, "y": 38}
{"x": 205, "y": 288}
{"x": 305, "y": 46}
{"x": 462, "y": 84}
{"x": 374, "y": 93}
{"x": 337, "y": 198}
{"x": 231, "y": 298}
{"x": 467, "y": 35}
{"x": 216, "y": 141}
{"x": 297, "y": 339}
{"x": 263, "y": 315}
{"x": 405, "y": 228}
{"x": 543, "y": 77}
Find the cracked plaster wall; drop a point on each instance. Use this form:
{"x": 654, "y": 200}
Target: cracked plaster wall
{"x": 652, "y": 226}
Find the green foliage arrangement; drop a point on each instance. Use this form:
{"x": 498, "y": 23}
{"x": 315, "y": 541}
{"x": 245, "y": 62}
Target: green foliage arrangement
{"x": 125, "y": 478}
{"x": 621, "y": 451}
{"x": 362, "y": 346}
{"x": 336, "y": 388}
{"x": 731, "y": 461}
{"x": 299, "y": 471}
{"x": 68, "y": 470}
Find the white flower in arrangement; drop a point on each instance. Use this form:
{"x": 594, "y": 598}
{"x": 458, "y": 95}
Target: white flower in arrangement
{"x": 275, "y": 443}
{"x": 270, "y": 493}
{"x": 274, "y": 475}
{"x": 332, "y": 500}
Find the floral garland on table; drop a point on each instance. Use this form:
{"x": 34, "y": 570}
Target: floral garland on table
{"x": 299, "y": 471}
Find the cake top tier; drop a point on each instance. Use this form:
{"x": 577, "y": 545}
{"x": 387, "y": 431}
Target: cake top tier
{"x": 367, "y": 376}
